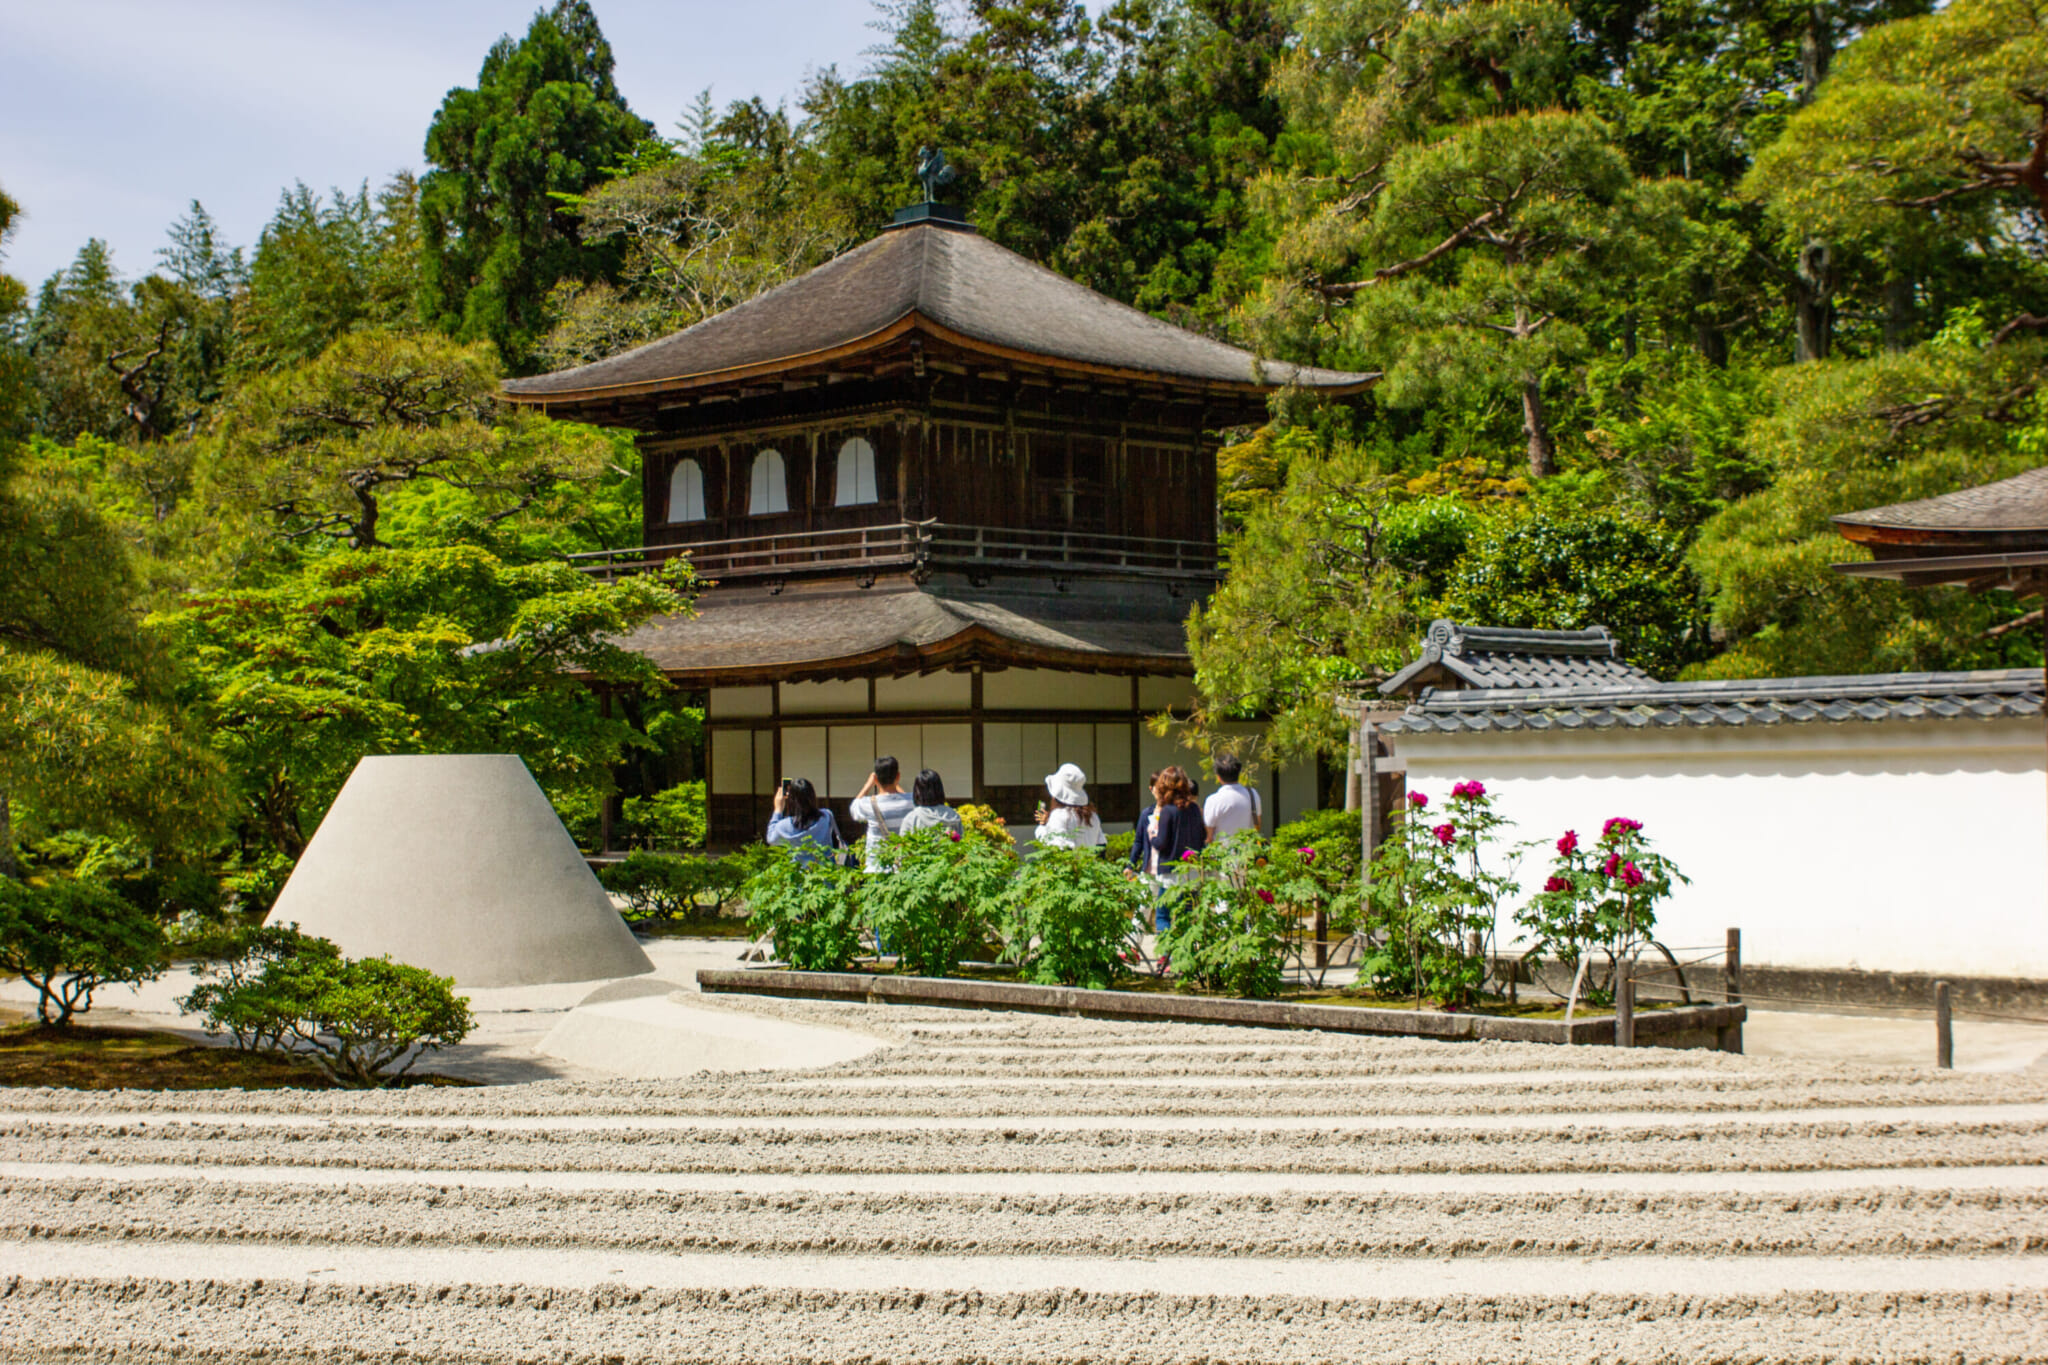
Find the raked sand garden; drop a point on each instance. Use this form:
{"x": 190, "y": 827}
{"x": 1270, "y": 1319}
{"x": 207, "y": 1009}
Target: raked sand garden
{"x": 971, "y": 1186}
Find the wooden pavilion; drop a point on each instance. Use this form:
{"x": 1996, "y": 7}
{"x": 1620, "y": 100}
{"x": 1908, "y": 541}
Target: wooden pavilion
{"x": 956, "y": 507}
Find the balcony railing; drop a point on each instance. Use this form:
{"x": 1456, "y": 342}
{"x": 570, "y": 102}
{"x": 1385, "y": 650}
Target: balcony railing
{"x": 918, "y": 545}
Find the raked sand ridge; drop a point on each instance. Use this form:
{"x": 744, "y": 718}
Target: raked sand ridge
{"x": 1007, "y": 1188}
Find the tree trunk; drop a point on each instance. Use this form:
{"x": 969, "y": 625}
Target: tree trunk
{"x": 10, "y": 866}
{"x": 1542, "y": 450}
{"x": 1898, "y": 315}
{"x": 1813, "y": 293}
{"x": 1816, "y": 51}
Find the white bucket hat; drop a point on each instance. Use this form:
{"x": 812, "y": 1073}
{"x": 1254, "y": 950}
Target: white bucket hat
{"x": 1068, "y": 786}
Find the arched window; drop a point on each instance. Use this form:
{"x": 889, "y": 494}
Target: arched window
{"x": 857, "y": 473}
{"x": 686, "y": 491}
{"x": 770, "y": 492}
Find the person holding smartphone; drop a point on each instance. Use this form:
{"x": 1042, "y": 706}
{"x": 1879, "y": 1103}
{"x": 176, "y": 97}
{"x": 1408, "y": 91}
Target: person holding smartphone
{"x": 881, "y": 806}
{"x": 800, "y": 822}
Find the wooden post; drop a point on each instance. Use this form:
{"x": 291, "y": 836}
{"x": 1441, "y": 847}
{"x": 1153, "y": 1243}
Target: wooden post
{"x": 1625, "y": 1009}
{"x": 1944, "y": 1029}
{"x": 1322, "y": 929}
{"x": 1733, "y": 968}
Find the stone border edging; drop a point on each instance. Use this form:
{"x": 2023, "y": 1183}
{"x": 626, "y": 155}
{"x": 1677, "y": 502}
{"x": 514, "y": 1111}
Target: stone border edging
{"x": 1698, "y": 1026}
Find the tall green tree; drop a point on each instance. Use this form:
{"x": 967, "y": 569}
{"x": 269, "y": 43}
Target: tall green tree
{"x": 324, "y": 267}
{"x": 545, "y": 119}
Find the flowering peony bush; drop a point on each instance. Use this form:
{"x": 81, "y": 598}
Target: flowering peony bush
{"x": 1434, "y": 887}
{"x": 1602, "y": 900}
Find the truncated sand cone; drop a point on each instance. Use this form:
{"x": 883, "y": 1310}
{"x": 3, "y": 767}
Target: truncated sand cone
{"x": 457, "y": 863}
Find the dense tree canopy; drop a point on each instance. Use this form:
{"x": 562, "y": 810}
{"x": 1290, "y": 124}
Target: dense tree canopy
{"x": 1656, "y": 290}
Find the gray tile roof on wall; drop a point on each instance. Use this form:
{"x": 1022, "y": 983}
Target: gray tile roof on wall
{"x": 1985, "y": 694}
{"x": 2016, "y": 504}
{"x": 955, "y": 278}
{"x": 1455, "y": 655}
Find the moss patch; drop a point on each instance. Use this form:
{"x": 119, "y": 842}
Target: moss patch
{"x": 89, "y": 1057}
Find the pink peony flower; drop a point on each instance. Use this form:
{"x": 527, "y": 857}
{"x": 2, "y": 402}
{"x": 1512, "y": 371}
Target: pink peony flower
{"x": 1445, "y": 833}
{"x": 1308, "y": 855}
{"x": 1263, "y": 894}
{"x": 1620, "y": 824}
{"x": 1469, "y": 791}
{"x": 1631, "y": 875}
{"x": 1189, "y": 855}
{"x": 1612, "y": 865}
{"x": 1558, "y": 884}
{"x": 955, "y": 836}
{"x": 1569, "y": 844}
{"x": 1417, "y": 800}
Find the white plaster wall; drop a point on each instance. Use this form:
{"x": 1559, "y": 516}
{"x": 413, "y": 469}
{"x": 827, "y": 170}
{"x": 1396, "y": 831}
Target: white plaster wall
{"x": 1899, "y": 846}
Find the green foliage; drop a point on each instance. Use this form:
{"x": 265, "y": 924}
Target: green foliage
{"x": 365, "y": 1022}
{"x": 322, "y": 269}
{"x": 1435, "y": 896}
{"x": 226, "y": 990}
{"x": 674, "y": 818}
{"x": 1565, "y": 574}
{"x": 544, "y": 120}
{"x": 310, "y": 454}
{"x": 1228, "y": 931}
{"x": 934, "y": 896}
{"x": 1065, "y": 918}
{"x": 67, "y": 938}
{"x": 409, "y": 651}
{"x": 659, "y": 886}
{"x": 812, "y": 912}
{"x": 1315, "y": 862}
{"x": 1604, "y": 897}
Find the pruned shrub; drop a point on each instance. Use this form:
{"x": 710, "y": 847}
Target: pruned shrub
{"x": 674, "y": 818}
{"x": 1066, "y": 916}
{"x": 224, "y": 995}
{"x": 364, "y": 1022}
{"x": 660, "y": 886}
{"x": 935, "y": 895}
{"x": 811, "y": 912}
{"x": 68, "y": 937}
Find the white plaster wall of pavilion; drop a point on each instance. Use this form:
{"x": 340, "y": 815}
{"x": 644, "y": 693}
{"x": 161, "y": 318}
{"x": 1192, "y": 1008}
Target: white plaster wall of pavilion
{"x": 1904, "y": 846}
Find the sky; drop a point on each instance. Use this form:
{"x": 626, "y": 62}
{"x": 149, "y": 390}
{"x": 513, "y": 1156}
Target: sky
{"x": 116, "y": 114}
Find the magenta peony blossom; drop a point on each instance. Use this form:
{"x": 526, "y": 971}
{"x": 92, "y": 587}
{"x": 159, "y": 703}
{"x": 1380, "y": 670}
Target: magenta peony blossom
{"x": 1445, "y": 833}
{"x": 1569, "y": 844}
{"x": 1612, "y": 865}
{"x": 1631, "y": 875}
{"x": 1558, "y": 884}
{"x": 1620, "y": 824}
{"x": 955, "y": 835}
{"x": 1189, "y": 856}
{"x": 1417, "y": 800}
{"x": 1308, "y": 855}
{"x": 1263, "y": 894}
{"x": 1469, "y": 791}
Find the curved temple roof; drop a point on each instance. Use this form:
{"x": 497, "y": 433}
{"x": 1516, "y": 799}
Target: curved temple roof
{"x": 947, "y": 282}
{"x": 2012, "y": 505}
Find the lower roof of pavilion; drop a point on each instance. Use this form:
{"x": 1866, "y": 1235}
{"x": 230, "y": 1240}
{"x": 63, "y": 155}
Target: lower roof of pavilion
{"x": 745, "y": 636}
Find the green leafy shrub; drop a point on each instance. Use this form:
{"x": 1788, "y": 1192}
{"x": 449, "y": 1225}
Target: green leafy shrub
{"x": 811, "y": 911}
{"x": 225, "y": 993}
{"x": 68, "y": 937}
{"x": 1117, "y": 847}
{"x": 660, "y": 886}
{"x": 1229, "y": 932}
{"x": 1602, "y": 898}
{"x": 674, "y": 818}
{"x": 365, "y": 1022}
{"x": 1315, "y": 863}
{"x": 1065, "y": 918}
{"x": 1435, "y": 898}
{"x": 935, "y": 896}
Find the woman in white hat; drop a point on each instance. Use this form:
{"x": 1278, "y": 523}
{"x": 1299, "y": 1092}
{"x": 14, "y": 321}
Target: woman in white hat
{"x": 1071, "y": 822}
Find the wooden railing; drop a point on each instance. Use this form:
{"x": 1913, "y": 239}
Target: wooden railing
{"x": 916, "y": 545}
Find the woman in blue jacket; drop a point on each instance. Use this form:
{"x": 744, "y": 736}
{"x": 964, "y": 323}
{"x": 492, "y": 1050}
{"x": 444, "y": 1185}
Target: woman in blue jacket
{"x": 798, "y": 822}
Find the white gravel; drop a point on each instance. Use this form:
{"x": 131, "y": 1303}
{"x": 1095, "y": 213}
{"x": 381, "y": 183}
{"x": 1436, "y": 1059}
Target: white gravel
{"x": 1008, "y": 1189}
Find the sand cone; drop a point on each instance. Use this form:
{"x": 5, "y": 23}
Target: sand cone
{"x": 457, "y": 863}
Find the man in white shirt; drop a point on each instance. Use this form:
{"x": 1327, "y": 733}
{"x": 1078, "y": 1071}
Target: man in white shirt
{"x": 881, "y": 806}
{"x": 1234, "y": 807}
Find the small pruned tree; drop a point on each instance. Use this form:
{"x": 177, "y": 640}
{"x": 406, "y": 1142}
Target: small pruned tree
{"x": 226, "y": 994}
{"x": 67, "y": 938}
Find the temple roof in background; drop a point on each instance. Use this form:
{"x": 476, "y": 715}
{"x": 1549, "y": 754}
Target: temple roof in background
{"x": 897, "y": 628}
{"x": 947, "y": 282}
{"x": 2016, "y": 504}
